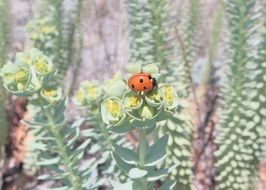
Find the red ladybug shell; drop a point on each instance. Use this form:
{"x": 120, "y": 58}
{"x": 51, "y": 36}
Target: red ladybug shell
{"x": 141, "y": 82}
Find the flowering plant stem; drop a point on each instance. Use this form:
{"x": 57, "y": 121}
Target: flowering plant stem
{"x": 142, "y": 153}
{"x": 54, "y": 129}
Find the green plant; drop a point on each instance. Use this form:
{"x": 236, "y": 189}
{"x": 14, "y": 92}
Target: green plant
{"x": 140, "y": 35}
{"x": 54, "y": 31}
{"x": 4, "y": 44}
{"x": 241, "y": 135}
{"x": 57, "y": 7}
{"x": 90, "y": 96}
{"x": 123, "y": 111}
{"x": 42, "y": 33}
{"x": 33, "y": 75}
{"x": 75, "y": 29}
{"x": 189, "y": 28}
{"x": 153, "y": 41}
{"x": 208, "y": 68}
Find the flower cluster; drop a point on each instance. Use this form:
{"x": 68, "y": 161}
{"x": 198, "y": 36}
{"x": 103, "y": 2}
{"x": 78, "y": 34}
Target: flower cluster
{"x": 89, "y": 95}
{"x": 31, "y": 73}
{"x": 42, "y": 32}
{"x": 123, "y": 106}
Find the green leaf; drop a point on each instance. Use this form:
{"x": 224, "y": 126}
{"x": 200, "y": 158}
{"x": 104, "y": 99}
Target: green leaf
{"x": 60, "y": 111}
{"x": 144, "y": 123}
{"x": 87, "y": 132}
{"x": 126, "y": 154}
{"x": 157, "y": 151}
{"x": 115, "y": 87}
{"x": 168, "y": 185}
{"x": 125, "y": 127}
{"x": 49, "y": 161}
{"x": 133, "y": 68}
{"x": 79, "y": 151}
{"x": 136, "y": 173}
{"x": 74, "y": 130}
{"x": 121, "y": 163}
{"x": 121, "y": 186}
{"x": 156, "y": 175}
{"x": 151, "y": 68}
{"x": 45, "y": 177}
{"x": 38, "y": 146}
{"x": 60, "y": 188}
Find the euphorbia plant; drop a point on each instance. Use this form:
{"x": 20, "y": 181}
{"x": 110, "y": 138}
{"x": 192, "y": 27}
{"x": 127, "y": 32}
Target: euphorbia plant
{"x": 89, "y": 96}
{"x": 125, "y": 110}
{"x": 33, "y": 75}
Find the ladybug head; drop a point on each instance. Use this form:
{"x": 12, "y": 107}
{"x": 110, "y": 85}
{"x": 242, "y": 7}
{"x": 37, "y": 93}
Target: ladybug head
{"x": 154, "y": 82}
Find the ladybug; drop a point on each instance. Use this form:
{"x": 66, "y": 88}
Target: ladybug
{"x": 141, "y": 82}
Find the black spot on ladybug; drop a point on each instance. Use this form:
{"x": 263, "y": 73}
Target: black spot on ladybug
{"x": 141, "y": 80}
{"x": 133, "y": 86}
{"x": 150, "y": 77}
{"x": 144, "y": 88}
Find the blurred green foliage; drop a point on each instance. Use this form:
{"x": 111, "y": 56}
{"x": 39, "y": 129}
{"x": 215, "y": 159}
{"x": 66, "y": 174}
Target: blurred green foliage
{"x": 4, "y": 47}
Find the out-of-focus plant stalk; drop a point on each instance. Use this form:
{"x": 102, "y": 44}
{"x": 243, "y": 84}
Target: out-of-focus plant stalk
{"x": 212, "y": 51}
{"x": 75, "y": 26}
{"x": 4, "y": 41}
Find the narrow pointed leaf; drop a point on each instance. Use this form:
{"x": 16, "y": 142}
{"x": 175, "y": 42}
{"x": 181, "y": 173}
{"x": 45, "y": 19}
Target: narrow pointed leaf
{"x": 126, "y": 154}
{"x": 157, "y": 151}
{"x": 122, "y": 164}
{"x": 136, "y": 173}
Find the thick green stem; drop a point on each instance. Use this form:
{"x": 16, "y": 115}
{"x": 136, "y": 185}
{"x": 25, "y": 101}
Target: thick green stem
{"x": 142, "y": 146}
{"x": 106, "y": 136}
{"x": 142, "y": 155}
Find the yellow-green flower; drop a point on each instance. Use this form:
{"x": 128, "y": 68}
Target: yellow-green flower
{"x": 21, "y": 86}
{"x": 169, "y": 96}
{"x": 111, "y": 110}
{"x": 112, "y": 107}
{"x": 154, "y": 98}
{"x": 43, "y": 65}
{"x": 14, "y": 77}
{"x": 51, "y": 94}
{"x": 131, "y": 102}
{"x": 46, "y": 29}
{"x": 21, "y": 75}
{"x": 79, "y": 97}
{"x": 93, "y": 91}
